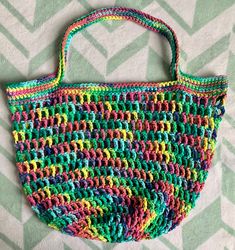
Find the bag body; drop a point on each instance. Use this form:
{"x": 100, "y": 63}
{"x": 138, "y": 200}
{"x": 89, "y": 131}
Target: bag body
{"x": 115, "y": 161}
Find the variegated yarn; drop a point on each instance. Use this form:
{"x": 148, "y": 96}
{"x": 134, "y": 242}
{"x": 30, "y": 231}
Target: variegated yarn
{"x": 115, "y": 161}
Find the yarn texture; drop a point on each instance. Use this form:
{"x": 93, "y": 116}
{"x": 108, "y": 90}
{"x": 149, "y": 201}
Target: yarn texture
{"x": 115, "y": 161}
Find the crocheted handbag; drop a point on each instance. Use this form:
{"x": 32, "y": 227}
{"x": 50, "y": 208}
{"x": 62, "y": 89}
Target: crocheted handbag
{"x": 115, "y": 161}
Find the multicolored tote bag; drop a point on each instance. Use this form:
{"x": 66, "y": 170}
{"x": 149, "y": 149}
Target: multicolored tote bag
{"x": 115, "y": 161}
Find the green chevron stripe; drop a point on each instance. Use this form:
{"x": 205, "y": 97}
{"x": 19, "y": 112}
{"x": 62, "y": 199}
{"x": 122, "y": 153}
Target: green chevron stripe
{"x": 167, "y": 243}
{"x": 9, "y": 242}
{"x": 86, "y": 5}
{"x": 183, "y": 54}
{"x": 229, "y": 145}
{"x": 230, "y": 70}
{"x": 40, "y": 230}
{"x": 109, "y": 246}
{"x": 217, "y": 156}
{"x": 157, "y": 67}
{"x": 207, "y": 56}
{"x": 14, "y": 41}
{"x": 4, "y": 125}
{"x": 10, "y": 72}
{"x": 144, "y": 247}
{"x": 90, "y": 244}
{"x": 67, "y": 247}
{"x": 228, "y": 229}
{"x": 205, "y": 11}
{"x": 41, "y": 14}
{"x": 16, "y": 14}
{"x": 228, "y": 183}
{"x": 43, "y": 56}
{"x": 84, "y": 72}
{"x": 95, "y": 43}
{"x": 6, "y": 154}
{"x": 130, "y": 4}
{"x": 127, "y": 52}
{"x": 44, "y": 12}
{"x": 208, "y": 10}
{"x": 200, "y": 228}
{"x": 175, "y": 15}
{"x": 229, "y": 119}
{"x": 12, "y": 199}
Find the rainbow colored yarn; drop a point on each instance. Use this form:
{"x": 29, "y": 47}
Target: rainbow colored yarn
{"x": 115, "y": 161}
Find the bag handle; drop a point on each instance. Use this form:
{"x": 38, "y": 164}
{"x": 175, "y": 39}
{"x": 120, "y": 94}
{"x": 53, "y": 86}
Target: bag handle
{"x": 119, "y": 13}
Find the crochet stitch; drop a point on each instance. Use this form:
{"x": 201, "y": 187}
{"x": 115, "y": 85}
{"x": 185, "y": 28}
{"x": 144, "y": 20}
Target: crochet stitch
{"x": 115, "y": 161}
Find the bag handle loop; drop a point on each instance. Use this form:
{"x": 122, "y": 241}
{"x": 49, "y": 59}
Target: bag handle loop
{"x": 119, "y": 13}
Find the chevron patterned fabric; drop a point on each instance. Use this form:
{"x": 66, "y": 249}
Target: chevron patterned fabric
{"x": 124, "y": 52}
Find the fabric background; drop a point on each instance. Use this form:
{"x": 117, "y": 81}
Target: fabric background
{"x": 30, "y": 31}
